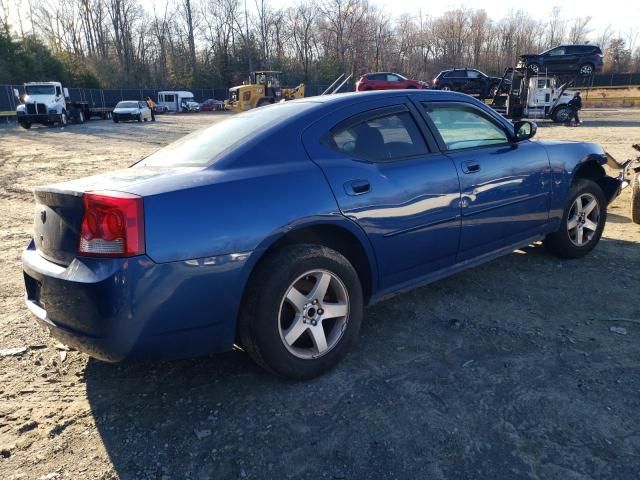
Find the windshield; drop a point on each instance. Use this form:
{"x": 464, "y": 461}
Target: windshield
{"x": 127, "y": 105}
{"x": 201, "y": 148}
{"x": 40, "y": 89}
{"x": 188, "y": 99}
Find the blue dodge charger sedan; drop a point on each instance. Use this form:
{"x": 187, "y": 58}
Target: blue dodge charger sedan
{"x": 274, "y": 228}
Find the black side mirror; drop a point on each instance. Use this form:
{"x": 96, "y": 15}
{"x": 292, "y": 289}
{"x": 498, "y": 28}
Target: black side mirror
{"x": 524, "y": 130}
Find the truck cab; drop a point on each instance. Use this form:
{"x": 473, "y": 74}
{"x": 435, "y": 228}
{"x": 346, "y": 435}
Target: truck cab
{"x": 546, "y": 99}
{"x": 43, "y": 102}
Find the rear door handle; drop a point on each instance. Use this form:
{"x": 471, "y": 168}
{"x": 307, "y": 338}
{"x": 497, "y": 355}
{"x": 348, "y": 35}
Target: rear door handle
{"x": 357, "y": 187}
{"x": 470, "y": 166}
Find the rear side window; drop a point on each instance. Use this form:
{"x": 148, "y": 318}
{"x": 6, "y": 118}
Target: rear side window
{"x": 377, "y": 77}
{"x": 201, "y": 148}
{"x": 380, "y": 138}
{"x": 464, "y": 127}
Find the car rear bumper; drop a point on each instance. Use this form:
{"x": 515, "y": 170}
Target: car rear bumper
{"x": 117, "y": 309}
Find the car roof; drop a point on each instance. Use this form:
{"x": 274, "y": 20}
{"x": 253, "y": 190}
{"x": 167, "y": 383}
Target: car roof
{"x": 349, "y": 98}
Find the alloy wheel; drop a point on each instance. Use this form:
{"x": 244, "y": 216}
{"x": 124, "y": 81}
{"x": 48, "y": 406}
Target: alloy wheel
{"x": 313, "y": 314}
{"x": 586, "y": 70}
{"x": 583, "y": 219}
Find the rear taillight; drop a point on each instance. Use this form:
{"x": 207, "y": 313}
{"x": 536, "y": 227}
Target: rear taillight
{"x": 112, "y": 225}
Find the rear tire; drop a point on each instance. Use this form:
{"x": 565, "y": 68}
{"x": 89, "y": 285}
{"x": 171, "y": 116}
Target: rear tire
{"x": 281, "y": 327}
{"x": 635, "y": 198}
{"x": 586, "y": 70}
{"x": 582, "y": 222}
{"x": 446, "y": 88}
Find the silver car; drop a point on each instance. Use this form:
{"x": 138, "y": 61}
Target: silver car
{"x": 131, "y": 110}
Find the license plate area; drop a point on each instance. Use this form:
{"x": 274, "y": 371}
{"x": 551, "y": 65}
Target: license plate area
{"x": 34, "y": 290}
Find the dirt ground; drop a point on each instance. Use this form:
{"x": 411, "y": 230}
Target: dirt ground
{"x": 526, "y": 367}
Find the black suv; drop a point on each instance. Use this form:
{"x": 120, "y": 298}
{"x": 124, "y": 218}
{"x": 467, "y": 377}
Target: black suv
{"x": 583, "y": 59}
{"x": 470, "y": 81}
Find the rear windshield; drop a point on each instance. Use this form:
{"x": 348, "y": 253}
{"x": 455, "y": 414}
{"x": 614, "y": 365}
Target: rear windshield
{"x": 201, "y": 148}
{"x": 127, "y": 105}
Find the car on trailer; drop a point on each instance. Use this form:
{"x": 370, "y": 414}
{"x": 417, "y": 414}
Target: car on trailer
{"x": 582, "y": 59}
{"x": 178, "y": 256}
{"x": 387, "y": 81}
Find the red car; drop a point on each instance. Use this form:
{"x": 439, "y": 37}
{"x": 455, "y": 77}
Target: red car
{"x": 211, "y": 105}
{"x": 387, "y": 81}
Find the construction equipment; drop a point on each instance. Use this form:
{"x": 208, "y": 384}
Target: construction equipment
{"x": 263, "y": 89}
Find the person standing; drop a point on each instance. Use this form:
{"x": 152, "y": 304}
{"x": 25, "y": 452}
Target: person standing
{"x": 575, "y": 105}
{"x": 150, "y": 105}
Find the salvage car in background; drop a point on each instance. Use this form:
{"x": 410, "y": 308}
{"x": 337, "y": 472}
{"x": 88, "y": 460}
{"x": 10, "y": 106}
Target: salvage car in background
{"x": 470, "y": 81}
{"x": 129, "y": 110}
{"x": 211, "y": 105}
{"x": 199, "y": 247}
{"x": 387, "y": 81}
{"x": 582, "y": 59}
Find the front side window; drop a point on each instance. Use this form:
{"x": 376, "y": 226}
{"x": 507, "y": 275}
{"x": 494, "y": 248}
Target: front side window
{"x": 392, "y": 78}
{"x": 473, "y": 74}
{"x": 380, "y": 138}
{"x": 464, "y": 127}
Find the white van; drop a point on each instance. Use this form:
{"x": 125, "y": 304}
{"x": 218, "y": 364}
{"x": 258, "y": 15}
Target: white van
{"x": 177, "y": 101}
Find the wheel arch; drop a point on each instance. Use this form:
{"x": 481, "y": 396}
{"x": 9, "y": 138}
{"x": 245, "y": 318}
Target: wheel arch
{"x": 594, "y": 171}
{"x": 341, "y": 235}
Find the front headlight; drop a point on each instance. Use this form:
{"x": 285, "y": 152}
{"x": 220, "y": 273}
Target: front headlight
{"x": 21, "y": 108}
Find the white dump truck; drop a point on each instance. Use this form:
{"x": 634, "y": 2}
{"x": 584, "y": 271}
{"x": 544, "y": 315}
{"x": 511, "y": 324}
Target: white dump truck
{"x": 48, "y": 103}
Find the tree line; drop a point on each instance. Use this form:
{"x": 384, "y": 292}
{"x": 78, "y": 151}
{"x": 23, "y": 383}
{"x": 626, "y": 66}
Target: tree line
{"x": 216, "y": 43}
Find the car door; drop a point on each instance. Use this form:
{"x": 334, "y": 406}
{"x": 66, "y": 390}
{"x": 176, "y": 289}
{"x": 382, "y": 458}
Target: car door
{"x": 505, "y": 186}
{"x": 388, "y": 176}
{"x": 393, "y": 82}
{"x": 474, "y": 82}
{"x": 556, "y": 59}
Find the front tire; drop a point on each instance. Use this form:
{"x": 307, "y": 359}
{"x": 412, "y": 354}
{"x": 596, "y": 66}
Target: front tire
{"x": 63, "y": 119}
{"x": 561, "y": 114}
{"x": 25, "y": 125}
{"x": 534, "y": 68}
{"x": 301, "y": 311}
{"x": 582, "y": 222}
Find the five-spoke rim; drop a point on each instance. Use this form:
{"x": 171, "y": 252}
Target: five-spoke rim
{"x": 583, "y": 219}
{"x": 313, "y": 314}
{"x": 586, "y": 70}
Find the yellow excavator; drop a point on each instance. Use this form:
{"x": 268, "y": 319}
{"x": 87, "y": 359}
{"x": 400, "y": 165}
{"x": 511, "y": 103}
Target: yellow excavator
{"x": 263, "y": 89}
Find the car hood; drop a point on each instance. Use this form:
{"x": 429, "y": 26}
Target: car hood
{"x": 126, "y": 110}
{"x": 529, "y": 55}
